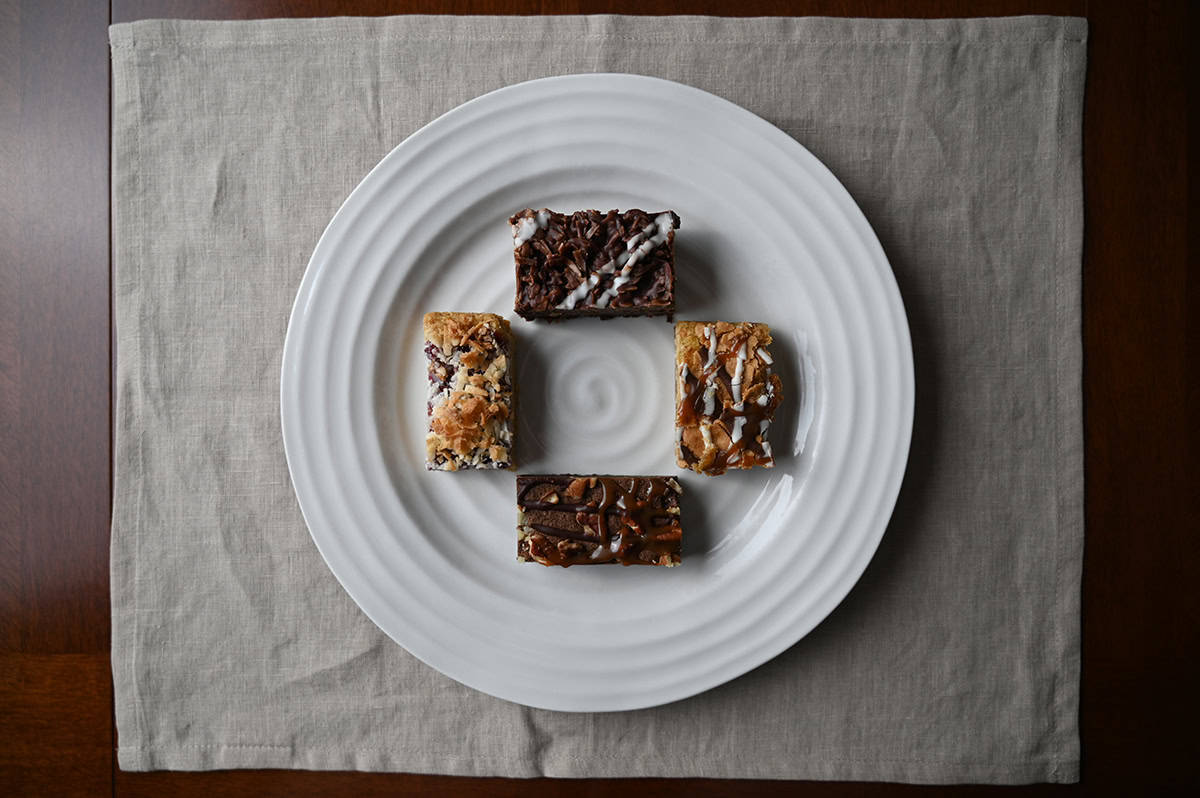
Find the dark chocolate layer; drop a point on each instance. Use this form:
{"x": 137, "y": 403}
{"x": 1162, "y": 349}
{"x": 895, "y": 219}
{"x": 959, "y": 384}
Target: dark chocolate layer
{"x": 566, "y": 520}
{"x": 590, "y": 263}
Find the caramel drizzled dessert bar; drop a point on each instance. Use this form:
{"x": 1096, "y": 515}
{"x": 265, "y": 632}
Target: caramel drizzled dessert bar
{"x": 471, "y": 393}
{"x": 588, "y": 263}
{"x": 566, "y": 520}
{"x": 725, "y": 395}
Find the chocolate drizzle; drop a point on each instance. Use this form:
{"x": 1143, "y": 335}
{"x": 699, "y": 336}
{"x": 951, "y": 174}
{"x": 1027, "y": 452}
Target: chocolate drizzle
{"x": 627, "y": 520}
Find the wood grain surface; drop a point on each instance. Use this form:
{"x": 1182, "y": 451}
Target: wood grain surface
{"x": 1141, "y": 602}
{"x": 56, "y": 733}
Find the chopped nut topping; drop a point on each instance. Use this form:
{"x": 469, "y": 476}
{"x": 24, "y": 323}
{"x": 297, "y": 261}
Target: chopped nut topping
{"x": 726, "y": 395}
{"x": 471, "y": 395}
{"x": 619, "y": 519}
{"x": 593, "y": 263}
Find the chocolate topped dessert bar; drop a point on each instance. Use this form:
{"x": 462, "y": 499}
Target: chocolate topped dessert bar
{"x": 725, "y": 395}
{"x": 572, "y": 520}
{"x": 588, "y": 263}
{"x": 470, "y": 391}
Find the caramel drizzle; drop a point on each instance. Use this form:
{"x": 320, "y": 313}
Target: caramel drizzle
{"x": 646, "y": 526}
{"x": 755, "y": 417}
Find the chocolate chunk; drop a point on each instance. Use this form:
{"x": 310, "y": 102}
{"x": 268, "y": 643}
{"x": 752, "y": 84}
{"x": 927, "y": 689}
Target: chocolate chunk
{"x": 569, "y": 520}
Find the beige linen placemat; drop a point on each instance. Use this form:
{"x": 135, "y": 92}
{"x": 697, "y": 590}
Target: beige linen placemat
{"x": 957, "y": 656}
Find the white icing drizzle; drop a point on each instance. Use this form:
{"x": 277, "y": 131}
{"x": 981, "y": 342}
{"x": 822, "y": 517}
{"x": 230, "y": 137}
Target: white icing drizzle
{"x": 710, "y": 385}
{"x": 611, "y": 291}
{"x": 642, "y": 251}
{"x": 524, "y": 231}
{"x": 712, "y": 347}
{"x": 580, "y": 292}
{"x": 765, "y": 397}
{"x": 683, "y": 375}
{"x": 621, "y": 502}
{"x": 738, "y": 430}
{"x": 664, "y": 224}
{"x": 584, "y": 288}
{"x": 710, "y": 395}
{"x": 736, "y": 383}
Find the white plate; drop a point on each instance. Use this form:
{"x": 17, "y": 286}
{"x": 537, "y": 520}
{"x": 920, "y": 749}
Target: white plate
{"x": 768, "y": 234}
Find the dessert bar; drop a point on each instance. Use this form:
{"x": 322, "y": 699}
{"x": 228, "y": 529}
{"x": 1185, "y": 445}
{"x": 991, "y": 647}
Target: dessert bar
{"x": 471, "y": 394}
{"x": 588, "y": 263}
{"x": 588, "y": 520}
{"x": 725, "y": 395}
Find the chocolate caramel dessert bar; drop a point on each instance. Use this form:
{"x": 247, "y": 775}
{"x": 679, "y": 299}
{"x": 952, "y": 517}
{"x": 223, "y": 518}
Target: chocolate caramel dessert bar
{"x": 471, "y": 393}
{"x": 588, "y": 263}
{"x": 567, "y": 520}
{"x": 725, "y": 395}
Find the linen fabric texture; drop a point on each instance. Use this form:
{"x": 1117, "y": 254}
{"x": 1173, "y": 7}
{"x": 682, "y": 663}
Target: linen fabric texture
{"x": 956, "y": 657}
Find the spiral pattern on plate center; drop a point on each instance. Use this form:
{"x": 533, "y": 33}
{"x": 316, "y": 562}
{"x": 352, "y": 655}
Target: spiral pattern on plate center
{"x": 592, "y": 401}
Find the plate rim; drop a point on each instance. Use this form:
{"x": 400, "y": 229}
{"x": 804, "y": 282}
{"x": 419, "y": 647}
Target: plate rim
{"x": 892, "y": 480}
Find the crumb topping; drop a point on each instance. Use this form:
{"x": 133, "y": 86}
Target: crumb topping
{"x": 470, "y": 391}
{"x": 726, "y": 396}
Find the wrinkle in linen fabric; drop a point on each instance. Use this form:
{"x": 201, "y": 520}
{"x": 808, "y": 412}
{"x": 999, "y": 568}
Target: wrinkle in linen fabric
{"x": 956, "y": 658}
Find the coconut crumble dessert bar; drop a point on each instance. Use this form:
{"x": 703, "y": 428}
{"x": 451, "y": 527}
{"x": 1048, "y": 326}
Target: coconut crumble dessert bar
{"x": 471, "y": 393}
{"x": 725, "y": 395}
{"x": 588, "y": 263}
{"x": 565, "y": 519}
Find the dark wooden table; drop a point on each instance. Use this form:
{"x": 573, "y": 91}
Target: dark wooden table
{"x": 1140, "y": 592}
